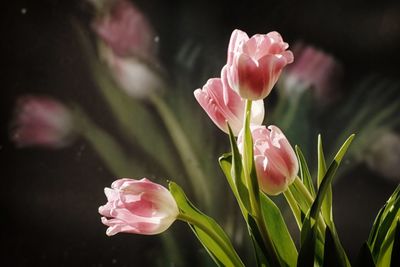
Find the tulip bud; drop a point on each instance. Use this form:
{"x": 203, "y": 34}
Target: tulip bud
{"x": 223, "y": 105}
{"x": 138, "y": 207}
{"x": 313, "y": 69}
{"x": 126, "y": 30}
{"x": 42, "y": 121}
{"x": 254, "y": 64}
{"x": 275, "y": 161}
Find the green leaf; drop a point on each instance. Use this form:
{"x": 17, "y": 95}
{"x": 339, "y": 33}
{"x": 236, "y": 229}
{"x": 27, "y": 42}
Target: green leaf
{"x": 237, "y": 174}
{"x": 258, "y": 242}
{"x": 209, "y": 233}
{"x": 333, "y": 252}
{"x": 384, "y": 258}
{"x": 304, "y": 171}
{"x": 326, "y": 208}
{"x": 387, "y": 220}
{"x": 278, "y": 231}
{"x": 307, "y": 251}
{"x": 365, "y": 257}
{"x": 328, "y": 177}
{"x": 395, "y": 258}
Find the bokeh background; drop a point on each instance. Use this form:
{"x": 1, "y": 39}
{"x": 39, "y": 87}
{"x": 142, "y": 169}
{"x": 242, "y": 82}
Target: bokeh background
{"x": 50, "y": 198}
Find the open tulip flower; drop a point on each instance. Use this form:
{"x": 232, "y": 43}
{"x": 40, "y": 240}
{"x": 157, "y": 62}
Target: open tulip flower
{"x": 254, "y": 64}
{"x": 261, "y": 163}
{"x": 223, "y": 105}
{"x": 139, "y": 207}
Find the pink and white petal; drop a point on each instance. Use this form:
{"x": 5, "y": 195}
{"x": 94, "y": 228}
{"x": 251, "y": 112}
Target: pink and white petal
{"x": 251, "y": 82}
{"x": 237, "y": 39}
{"x": 211, "y": 108}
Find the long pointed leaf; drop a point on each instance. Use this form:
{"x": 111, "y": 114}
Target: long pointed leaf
{"x": 215, "y": 241}
{"x": 304, "y": 171}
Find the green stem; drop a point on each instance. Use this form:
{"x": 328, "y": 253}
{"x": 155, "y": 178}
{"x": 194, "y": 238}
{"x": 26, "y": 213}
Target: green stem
{"x": 190, "y": 161}
{"x": 294, "y": 206}
{"x": 229, "y": 251}
{"x": 255, "y": 202}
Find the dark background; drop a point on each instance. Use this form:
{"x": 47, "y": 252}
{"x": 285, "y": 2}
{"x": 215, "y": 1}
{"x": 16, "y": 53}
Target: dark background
{"x": 50, "y": 198}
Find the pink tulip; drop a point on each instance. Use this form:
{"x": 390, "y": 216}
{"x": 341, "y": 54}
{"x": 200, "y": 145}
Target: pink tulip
{"x": 313, "y": 69}
{"x": 275, "y": 161}
{"x": 136, "y": 77}
{"x": 42, "y": 121}
{"x": 254, "y": 64}
{"x": 223, "y": 105}
{"x": 126, "y": 30}
{"x": 138, "y": 207}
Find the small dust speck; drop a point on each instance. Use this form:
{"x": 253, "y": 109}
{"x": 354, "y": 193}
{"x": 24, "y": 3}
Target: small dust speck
{"x": 23, "y": 11}
{"x": 157, "y": 39}
{"x": 114, "y": 261}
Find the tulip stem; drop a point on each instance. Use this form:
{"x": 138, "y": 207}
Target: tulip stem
{"x": 226, "y": 247}
{"x": 186, "y": 153}
{"x": 255, "y": 200}
{"x": 293, "y": 206}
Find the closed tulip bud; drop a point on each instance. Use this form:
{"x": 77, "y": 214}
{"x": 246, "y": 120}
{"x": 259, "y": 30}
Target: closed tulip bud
{"x": 125, "y": 29}
{"x": 42, "y": 121}
{"x": 223, "y": 105}
{"x": 254, "y": 64}
{"x": 138, "y": 207}
{"x": 275, "y": 161}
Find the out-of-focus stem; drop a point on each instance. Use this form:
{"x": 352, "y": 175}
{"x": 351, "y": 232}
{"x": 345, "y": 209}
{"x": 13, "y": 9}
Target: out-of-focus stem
{"x": 104, "y": 144}
{"x": 186, "y": 153}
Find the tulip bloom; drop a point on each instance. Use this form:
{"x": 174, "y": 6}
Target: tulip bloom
{"x": 223, "y": 105}
{"x": 126, "y": 30}
{"x": 275, "y": 161}
{"x": 42, "y": 121}
{"x": 254, "y": 64}
{"x": 313, "y": 69}
{"x": 139, "y": 207}
{"x": 133, "y": 75}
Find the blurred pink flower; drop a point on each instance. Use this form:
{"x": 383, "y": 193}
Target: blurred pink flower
{"x": 126, "y": 30}
{"x": 254, "y": 64}
{"x": 383, "y": 155}
{"x": 136, "y": 77}
{"x": 223, "y": 105}
{"x": 275, "y": 161}
{"x": 313, "y": 68}
{"x": 139, "y": 207}
{"x": 41, "y": 121}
